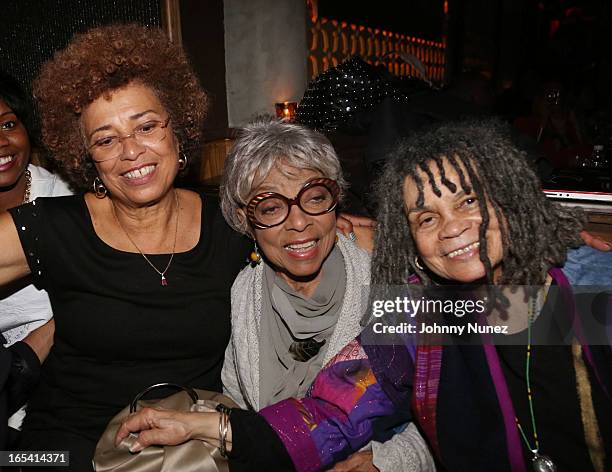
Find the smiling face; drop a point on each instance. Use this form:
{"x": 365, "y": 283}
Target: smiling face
{"x": 14, "y": 147}
{"x": 142, "y": 173}
{"x": 297, "y": 247}
{"x": 445, "y": 229}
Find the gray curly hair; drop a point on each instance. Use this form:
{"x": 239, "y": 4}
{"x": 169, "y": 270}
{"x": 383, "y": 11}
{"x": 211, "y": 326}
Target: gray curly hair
{"x": 260, "y": 146}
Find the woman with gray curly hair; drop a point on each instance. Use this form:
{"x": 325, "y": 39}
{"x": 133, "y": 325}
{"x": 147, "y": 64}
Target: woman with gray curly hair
{"x": 302, "y": 293}
{"x": 301, "y": 300}
{"x": 292, "y": 313}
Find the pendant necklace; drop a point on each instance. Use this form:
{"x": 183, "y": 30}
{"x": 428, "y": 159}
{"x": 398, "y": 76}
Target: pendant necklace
{"x": 540, "y": 462}
{"x": 162, "y": 273}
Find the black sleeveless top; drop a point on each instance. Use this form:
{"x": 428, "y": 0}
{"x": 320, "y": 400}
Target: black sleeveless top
{"x": 118, "y": 330}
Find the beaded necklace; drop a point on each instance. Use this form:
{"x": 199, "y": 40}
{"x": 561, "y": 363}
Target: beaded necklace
{"x": 28, "y": 186}
{"x": 540, "y": 462}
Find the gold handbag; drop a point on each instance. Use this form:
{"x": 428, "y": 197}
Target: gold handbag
{"x": 189, "y": 456}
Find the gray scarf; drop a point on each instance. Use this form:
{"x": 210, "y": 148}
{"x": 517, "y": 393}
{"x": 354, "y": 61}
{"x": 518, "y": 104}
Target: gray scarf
{"x": 291, "y": 322}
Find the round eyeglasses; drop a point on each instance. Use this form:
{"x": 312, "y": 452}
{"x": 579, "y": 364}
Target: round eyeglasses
{"x": 317, "y": 197}
{"x": 110, "y": 146}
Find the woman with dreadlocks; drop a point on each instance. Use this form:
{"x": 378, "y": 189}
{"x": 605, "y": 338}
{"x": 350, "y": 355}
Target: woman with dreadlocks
{"x": 460, "y": 207}
{"x": 472, "y": 213}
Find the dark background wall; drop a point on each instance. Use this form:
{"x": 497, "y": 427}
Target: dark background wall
{"x": 422, "y": 18}
{"x": 30, "y": 30}
{"x": 203, "y": 38}
{"x": 510, "y": 42}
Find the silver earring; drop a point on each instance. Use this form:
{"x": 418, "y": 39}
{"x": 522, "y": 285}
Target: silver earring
{"x": 98, "y": 188}
{"x": 183, "y": 161}
{"x": 418, "y": 264}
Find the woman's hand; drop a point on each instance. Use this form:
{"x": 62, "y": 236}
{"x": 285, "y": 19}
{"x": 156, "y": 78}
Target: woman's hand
{"x": 358, "y": 228}
{"x": 346, "y": 223}
{"x": 357, "y": 462}
{"x": 595, "y": 242}
{"x": 169, "y": 428}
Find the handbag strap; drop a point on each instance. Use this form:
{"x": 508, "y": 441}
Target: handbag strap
{"x": 190, "y": 391}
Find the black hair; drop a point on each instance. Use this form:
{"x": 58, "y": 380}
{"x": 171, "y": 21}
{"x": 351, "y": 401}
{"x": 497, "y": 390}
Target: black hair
{"x": 17, "y": 100}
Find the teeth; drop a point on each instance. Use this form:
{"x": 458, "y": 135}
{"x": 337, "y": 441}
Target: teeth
{"x": 458, "y": 252}
{"x": 6, "y": 159}
{"x": 138, "y": 173}
{"x": 303, "y": 246}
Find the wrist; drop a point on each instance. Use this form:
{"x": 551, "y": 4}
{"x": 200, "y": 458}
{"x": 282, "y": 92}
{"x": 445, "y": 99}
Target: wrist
{"x": 203, "y": 426}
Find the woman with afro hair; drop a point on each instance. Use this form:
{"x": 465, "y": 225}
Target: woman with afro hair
{"x": 137, "y": 270}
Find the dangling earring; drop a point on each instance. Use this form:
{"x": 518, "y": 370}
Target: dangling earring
{"x": 182, "y": 161}
{"x": 98, "y": 188}
{"x": 418, "y": 264}
{"x": 254, "y": 257}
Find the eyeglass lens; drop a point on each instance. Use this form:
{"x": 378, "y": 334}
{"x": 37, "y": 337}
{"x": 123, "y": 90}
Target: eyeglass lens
{"x": 110, "y": 147}
{"x": 314, "y": 200}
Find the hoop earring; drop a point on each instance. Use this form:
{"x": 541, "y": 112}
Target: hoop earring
{"x": 98, "y": 188}
{"x": 418, "y": 264}
{"x": 255, "y": 257}
{"x": 182, "y": 161}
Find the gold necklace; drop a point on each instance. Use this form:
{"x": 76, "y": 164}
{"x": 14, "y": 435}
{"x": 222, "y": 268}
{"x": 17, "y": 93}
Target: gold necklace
{"x": 28, "y": 186}
{"x": 162, "y": 273}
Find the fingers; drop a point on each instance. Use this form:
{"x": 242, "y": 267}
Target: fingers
{"x": 364, "y": 238}
{"x": 157, "y": 427}
{"x": 357, "y": 462}
{"x": 141, "y": 421}
{"x": 595, "y": 242}
{"x": 346, "y": 465}
{"x": 344, "y": 225}
{"x": 145, "y": 439}
{"x": 343, "y": 466}
{"x": 359, "y": 220}
{"x": 351, "y": 225}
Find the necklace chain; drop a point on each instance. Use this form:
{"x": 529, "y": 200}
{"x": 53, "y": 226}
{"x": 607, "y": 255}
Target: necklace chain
{"x": 28, "y": 186}
{"x": 162, "y": 273}
{"x": 532, "y": 310}
{"x": 539, "y": 462}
